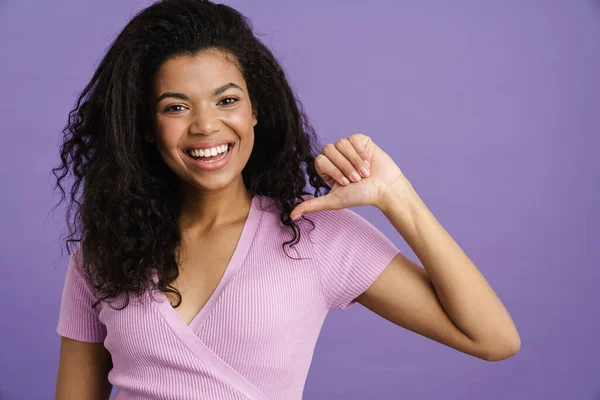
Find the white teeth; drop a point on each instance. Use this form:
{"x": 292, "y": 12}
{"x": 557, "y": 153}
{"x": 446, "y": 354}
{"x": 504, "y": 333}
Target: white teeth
{"x": 209, "y": 152}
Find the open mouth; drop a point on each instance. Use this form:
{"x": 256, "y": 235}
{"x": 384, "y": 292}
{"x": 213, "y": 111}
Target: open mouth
{"x": 210, "y": 155}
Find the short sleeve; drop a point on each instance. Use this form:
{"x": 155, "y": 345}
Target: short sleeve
{"x": 77, "y": 319}
{"x": 351, "y": 254}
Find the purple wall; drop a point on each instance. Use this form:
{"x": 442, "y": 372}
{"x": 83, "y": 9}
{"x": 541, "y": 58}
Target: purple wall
{"x": 491, "y": 109}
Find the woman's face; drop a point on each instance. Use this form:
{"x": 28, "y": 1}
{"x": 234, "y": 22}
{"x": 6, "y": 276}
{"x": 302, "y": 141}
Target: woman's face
{"x": 201, "y": 101}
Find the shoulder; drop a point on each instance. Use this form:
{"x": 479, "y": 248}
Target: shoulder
{"x": 339, "y": 229}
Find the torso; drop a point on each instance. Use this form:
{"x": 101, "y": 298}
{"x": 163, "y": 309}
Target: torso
{"x": 204, "y": 262}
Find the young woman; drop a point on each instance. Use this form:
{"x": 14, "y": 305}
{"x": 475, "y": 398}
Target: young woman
{"x": 205, "y": 269}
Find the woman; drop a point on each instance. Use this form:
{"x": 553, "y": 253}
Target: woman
{"x": 205, "y": 269}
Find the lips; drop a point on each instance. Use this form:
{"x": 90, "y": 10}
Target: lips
{"x": 211, "y": 165}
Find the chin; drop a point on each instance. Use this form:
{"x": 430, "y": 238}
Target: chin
{"x": 213, "y": 182}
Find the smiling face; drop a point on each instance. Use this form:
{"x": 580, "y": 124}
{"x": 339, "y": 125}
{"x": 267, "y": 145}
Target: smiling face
{"x": 202, "y": 101}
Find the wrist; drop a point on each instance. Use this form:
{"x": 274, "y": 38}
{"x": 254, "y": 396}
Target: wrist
{"x": 401, "y": 195}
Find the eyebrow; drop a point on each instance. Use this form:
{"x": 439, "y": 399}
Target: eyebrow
{"x": 182, "y": 96}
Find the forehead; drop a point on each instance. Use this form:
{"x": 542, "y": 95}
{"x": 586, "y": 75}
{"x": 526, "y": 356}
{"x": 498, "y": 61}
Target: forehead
{"x": 201, "y": 72}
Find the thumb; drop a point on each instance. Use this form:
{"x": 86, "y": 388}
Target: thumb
{"x": 315, "y": 204}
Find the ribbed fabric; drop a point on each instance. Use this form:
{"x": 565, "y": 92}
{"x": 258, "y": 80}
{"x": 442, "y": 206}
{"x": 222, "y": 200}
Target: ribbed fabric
{"x": 255, "y": 337}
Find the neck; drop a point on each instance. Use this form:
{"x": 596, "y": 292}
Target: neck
{"x": 204, "y": 210}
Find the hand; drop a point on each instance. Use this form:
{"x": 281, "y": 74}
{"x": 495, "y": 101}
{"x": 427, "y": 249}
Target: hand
{"x": 337, "y": 164}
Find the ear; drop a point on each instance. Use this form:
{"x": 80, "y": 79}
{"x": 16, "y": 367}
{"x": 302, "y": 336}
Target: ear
{"x": 254, "y": 117}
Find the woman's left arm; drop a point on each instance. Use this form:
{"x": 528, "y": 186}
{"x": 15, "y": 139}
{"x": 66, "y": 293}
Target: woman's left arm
{"x": 448, "y": 300}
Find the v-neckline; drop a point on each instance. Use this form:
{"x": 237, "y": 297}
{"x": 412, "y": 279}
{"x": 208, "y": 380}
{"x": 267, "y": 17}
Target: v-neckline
{"x": 235, "y": 262}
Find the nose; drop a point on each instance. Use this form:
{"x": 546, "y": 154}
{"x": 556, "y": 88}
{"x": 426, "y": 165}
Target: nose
{"x": 206, "y": 121}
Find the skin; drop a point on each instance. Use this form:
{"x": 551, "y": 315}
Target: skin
{"x": 211, "y": 198}
{"x": 83, "y": 371}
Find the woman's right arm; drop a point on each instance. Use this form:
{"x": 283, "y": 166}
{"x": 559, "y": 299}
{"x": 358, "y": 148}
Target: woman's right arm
{"x": 83, "y": 371}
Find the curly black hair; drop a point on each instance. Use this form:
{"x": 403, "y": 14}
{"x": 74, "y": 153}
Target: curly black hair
{"x": 128, "y": 208}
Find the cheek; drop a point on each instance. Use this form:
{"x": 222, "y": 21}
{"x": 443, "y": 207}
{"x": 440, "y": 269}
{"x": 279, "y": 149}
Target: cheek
{"x": 168, "y": 131}
{"x": 242, "y": 120}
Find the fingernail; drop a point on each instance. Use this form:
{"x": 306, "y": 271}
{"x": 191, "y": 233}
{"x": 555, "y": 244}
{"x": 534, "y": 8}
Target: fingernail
{"x": 355, "y": 177}
{"x": 345, "y": 181}
{"x": 368, "y": 163}
{"x": 364, "y": 171}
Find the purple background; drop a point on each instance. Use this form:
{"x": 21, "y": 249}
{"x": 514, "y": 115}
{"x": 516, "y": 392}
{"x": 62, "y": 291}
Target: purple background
{"x": 491, "y": 109}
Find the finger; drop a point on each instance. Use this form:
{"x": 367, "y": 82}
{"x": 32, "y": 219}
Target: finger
{"x": 362, "y": 144}
{"x": 350, "y": 151}
{"x": 329, "y": 172}
{"x": 341, "y": 162}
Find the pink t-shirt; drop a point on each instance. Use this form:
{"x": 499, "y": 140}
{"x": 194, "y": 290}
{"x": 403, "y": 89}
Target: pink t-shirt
{"x": 255, "y": 337}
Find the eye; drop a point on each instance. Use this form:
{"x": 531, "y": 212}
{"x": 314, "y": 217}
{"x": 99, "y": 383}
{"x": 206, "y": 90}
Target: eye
{"x": 172, "y": 108}
{"x": 229, "y": 101}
